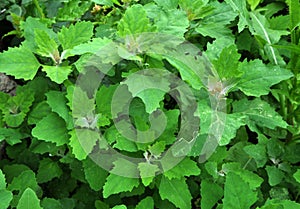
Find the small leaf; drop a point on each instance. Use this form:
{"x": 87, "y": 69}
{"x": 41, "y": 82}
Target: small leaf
{"x": 19, "y": 62}
{"x": 237, "y": 193}
{"x": 253, "y": 3}
{"x": 52, "y": 128}
{"x": 29, "y": 200}
{"x": 57, "y": 74}
{"x": 76, "y": 34}
{"x": 176, "y": 191}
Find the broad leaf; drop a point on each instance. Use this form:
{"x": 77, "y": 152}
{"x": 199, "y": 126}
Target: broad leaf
{"x": 46, "y": 46}
{"x": 146, "y": 203}
{"x": 240, "y": 8}
{"x": 176, "y": 191}
{"x": 215, "y": 24}
{"x": 76, "y": 34}
{"x": 82, "y": 142}
{"x": 237, "y": 193}
{"x": 147, "y": 172}
{"x": 5, "y": 198}
{"x": 134, "y": 21}
{"x": 211, "y": 193}
{"x": 258, "y": 77}
{"x": 19, "y": 62}
{"x": 58, "y": 103}
{"x": 186, "y": 167}
{"x": 94, "y": 174}
{"x": 296, "y": 175}
{"x": 52, "y": 128}
{"x": 29, "y": 200}
{"x": 259, "y": 113}
{"x": 275, "y": 175}
{"x": 48, "y": 170}
{"x": 58, "y": 74}
{"x": 115, "y": 184}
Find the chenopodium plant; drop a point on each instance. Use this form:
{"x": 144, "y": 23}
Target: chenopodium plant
{"x": 63, "y": 113}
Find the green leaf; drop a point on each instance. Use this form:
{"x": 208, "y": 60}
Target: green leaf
{"x": 294, "y": 10}
{"x": 258, "y": 77}
{"x": 19, "y": 62}
{"x": 227, "y": 64}
{"x": 46, "y": 46}
{"x": 170, "y": 21}
{"x": 147, "y": 172}
{"x": 29, "y": 200}
{"x": 38, "y": 112}
{"x": 195, "y": 9}
{"x": 176, "y": 191}
{"x": 146, "y": 203}
{"x": 82, "y": 105}
{"x": 58, "y": 103}
{"x": 72, "y": 10}
{"x": 2, "y": 180}
{"x": 167, "y": 4}
{"x": 258, "y": 152}
{"x": 211, "y": 193}
{"x": 215, "y": 24}
{"x": 134, "y": 21}
{"x": 48, "y": 170}
{"x": 91, "y": 47}
{"x": 120, "y": 207}
{"x": 12, "y": 136}
{"x": 253, "y": 4}
{"x": 29, "y": 26}
{"x": 296, "y": 175}
{"x": 261, "y": 29}
{"x": 107, "y": 2}
{"x": 115, "y": 184}
{"x": 52, "y": 128}
{"x": 103, "y": 99}
{"x": 82, "y": 142}
{"x": 259, "y": 113}
{"x": 237, "y": 193}
{"x": 18, "y": 107}
{"x": 50, "y": 203}
{"x": 5, "y": 198}
{"x": 240, "y": 8}
{"x": 94, "y": 174}
{"x": 186, "y": 167}
{"x": 252, "y": 179}
{"x": 275, "y": 175}
{"x": 76, "y": 34}
{"x": 151, "y": 99}
{"x": 58, "y": 74}
{"x": 24, "y": 180}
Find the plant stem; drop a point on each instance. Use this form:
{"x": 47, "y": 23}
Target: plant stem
{"x": 39, "y": 9}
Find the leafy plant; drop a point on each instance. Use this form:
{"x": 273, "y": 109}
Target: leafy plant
{"x": 88, "y": 70}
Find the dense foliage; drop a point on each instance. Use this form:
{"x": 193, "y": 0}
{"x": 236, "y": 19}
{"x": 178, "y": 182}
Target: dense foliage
{"x": 76, "y": 61}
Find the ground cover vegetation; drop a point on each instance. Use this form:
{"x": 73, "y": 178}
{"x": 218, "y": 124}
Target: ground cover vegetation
{"x": 251, "y": 47}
